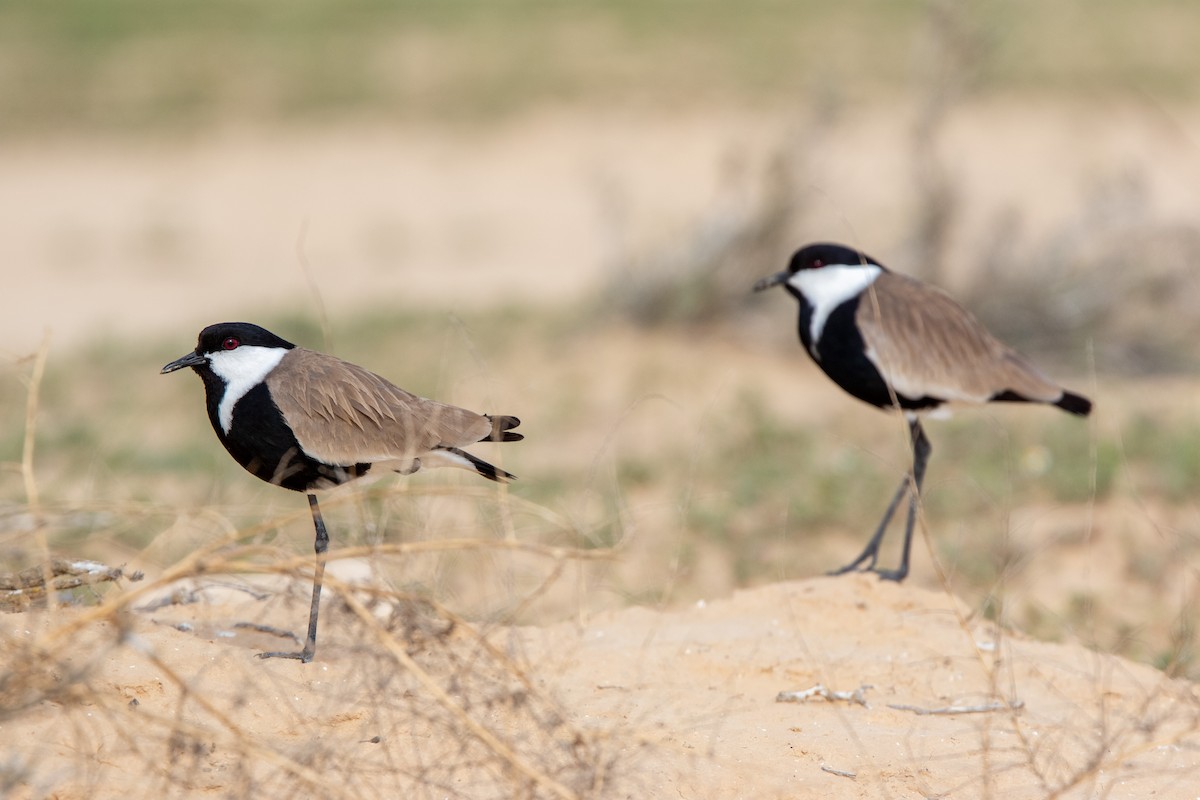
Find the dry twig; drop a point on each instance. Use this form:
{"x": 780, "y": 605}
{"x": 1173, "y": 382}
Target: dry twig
{"x": 514, "y": 759}
{"x": 983, "y": 708}
{"x": 858, "y": 696}
{"x": 18, "y": 590}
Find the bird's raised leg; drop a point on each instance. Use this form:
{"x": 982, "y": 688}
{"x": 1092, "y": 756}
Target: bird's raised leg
{"x": 921, "y": 451}
{"x": 320, "y": 545}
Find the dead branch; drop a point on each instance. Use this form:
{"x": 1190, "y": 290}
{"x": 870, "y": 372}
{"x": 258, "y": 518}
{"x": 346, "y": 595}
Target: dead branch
{"x": 18, "y": 590}
{"x": 858, "y": 696}
{"x": 985, "y": 708}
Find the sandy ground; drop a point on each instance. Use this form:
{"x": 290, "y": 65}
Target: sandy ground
{"x": 632, "y": 703}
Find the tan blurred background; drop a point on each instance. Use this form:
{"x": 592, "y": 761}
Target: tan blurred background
{"x": 166, "y": 165}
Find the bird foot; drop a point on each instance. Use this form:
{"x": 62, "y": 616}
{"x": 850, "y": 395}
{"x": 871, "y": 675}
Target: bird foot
{"x": 896, "y": 575}
{"x": 303, "y": 656}
{"x": 864, "y": 563}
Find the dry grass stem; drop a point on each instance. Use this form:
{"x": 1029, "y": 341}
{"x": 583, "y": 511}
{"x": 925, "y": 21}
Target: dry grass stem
{"x": 490, "y": 739}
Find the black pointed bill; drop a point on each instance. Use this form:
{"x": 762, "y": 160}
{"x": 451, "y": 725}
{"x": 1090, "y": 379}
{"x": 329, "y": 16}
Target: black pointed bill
{"x": 772, "y": 280}
{"x": 190, "y": 360}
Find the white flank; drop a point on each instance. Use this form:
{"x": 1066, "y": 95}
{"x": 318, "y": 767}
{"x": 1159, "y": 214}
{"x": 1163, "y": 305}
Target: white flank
{"x": 241, "y": 370}
{"x": 444, "y": 458}
{"x": 826, "y": 288}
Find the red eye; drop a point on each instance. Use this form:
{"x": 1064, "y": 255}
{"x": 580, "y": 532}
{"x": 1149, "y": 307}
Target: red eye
{"x": 230, "y": 343}
{"x": 817, "y": 263}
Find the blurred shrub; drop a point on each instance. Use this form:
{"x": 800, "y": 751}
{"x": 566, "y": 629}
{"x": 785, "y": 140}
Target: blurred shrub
{"x": 1118, "y": 278}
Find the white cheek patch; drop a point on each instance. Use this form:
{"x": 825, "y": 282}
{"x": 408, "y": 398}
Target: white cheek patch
{"x": 241, "y": 370}
{"x": 826, "y": 288}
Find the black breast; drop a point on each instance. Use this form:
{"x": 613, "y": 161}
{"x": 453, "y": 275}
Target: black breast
{"x": 260, "y": 440}
{"x": 842, "y": 355}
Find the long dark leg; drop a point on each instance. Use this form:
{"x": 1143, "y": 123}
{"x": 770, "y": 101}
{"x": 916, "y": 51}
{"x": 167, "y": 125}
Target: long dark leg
{"x": 921, "y": 451}
{"x": 320, "y": 546}
{"x": 911, "y": 485}
{"x": 866, "y": 559}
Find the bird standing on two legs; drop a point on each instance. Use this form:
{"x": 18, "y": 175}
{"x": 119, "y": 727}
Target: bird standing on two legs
{"x": 306, "y": 421}
{"x": 895, "y": 342}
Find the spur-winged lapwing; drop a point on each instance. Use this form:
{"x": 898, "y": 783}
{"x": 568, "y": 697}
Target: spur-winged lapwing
{"x": 893, "y": 341}
{"x": 306, "y": 421}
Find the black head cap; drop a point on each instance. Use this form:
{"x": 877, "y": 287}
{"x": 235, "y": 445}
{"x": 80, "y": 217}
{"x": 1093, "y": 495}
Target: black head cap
{"x": 226, "y": 336}
{"x": 815, "y": 256}
{"x": 824, "y": 254}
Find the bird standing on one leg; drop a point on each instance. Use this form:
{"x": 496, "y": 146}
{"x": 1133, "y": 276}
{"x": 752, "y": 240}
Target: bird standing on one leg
{"x": 306, "y": 421}
{"x": 895, "y": 342}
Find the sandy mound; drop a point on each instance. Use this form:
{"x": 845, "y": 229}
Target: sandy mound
{"x": 405, "y": 701}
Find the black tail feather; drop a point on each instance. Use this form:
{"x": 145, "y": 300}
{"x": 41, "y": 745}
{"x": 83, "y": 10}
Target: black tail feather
{"x": 489, "y": 471}
{"x": 502, "y": 429}
{"x": 1075, "y": 403}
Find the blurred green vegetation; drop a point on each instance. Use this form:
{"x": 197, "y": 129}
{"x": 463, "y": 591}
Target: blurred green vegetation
{"x": 137, "y": 65}
{"x": 816, "y": 477}
{"x": 123, "y": 454}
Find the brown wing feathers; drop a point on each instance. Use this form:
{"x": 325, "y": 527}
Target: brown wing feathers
{"x": 344, "y": 414}
{"x": 926, "y": 344}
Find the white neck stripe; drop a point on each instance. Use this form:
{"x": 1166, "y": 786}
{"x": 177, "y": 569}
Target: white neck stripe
{"x": 241, "y": 370}
{"x": 826, "y": 288}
